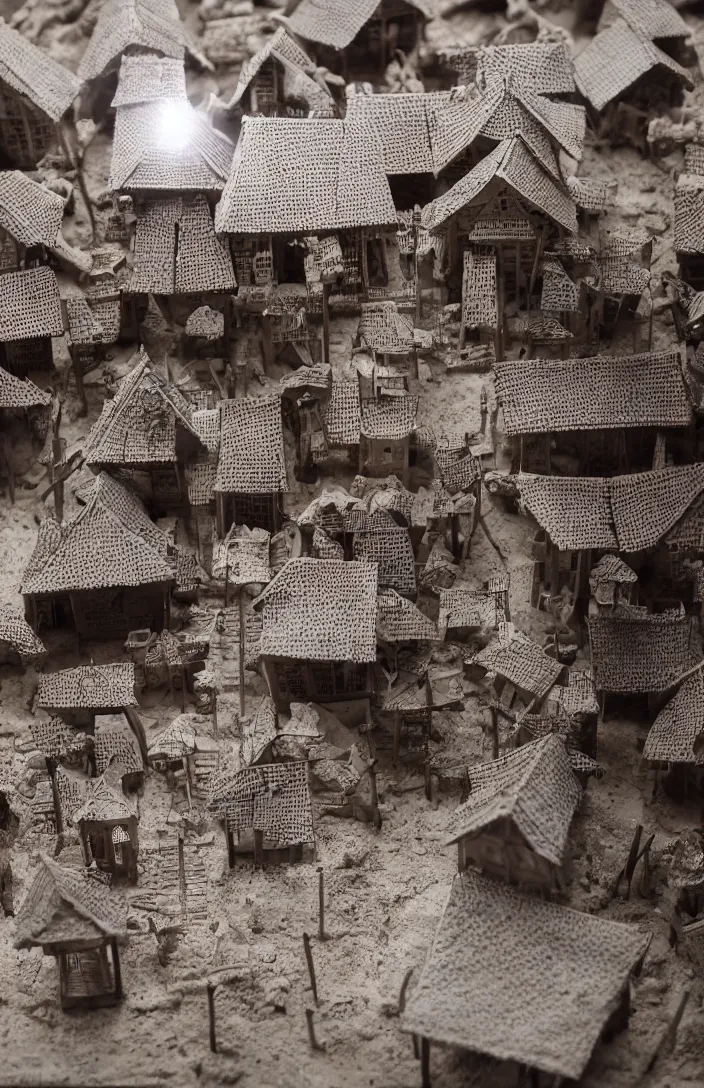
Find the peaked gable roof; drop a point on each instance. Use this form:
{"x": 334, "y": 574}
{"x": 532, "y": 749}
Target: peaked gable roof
{"x": 139, "y": 424}
{"x": 602, "y": 392}
{"x": 293, "y": 175}
{"x": 676, "y": 734}
{"x": 615, "y": 59}
{"x": 651, "y": 18}
{"x": 31, "y": 214}
{"x": 20, "y": 393}
{"x": 105, "y": 800}
{"x": 627, "y": 513}
{"x": 544, "y": 67}
{"x": 337, "y": 22}
{"x": 510, "y": 162}
{"x": 35, "y": 74}
{"x": 534, "y": 787}
{"x": 122, "y": 24}
{"x": 501, "y": 110}
{"x": 110, "y": 542}
{"x": 282, "y": 48}
{"x": 160, "y": 141}
{"x": 68, "y": 904}
{"x": 404, "y": 126}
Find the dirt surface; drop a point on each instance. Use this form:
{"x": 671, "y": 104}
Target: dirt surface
{"x": 385, "y": 889}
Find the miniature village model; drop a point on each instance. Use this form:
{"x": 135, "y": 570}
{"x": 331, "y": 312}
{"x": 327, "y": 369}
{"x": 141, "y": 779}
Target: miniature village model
{"x": 352, "y": 543}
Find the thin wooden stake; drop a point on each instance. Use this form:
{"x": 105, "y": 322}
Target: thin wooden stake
{"x": 321, "y": 904}
{"x": 314, "y": 1044}
{"x": 242, "y": 634}
{"x": 402, "y": 993}
{"x": 668, "y": 1037}
{"x": 227, "y": 582}
{"x": 311, "y": 967}
{"x": 376, "y": 815}
{"x": 211, "y": 1017}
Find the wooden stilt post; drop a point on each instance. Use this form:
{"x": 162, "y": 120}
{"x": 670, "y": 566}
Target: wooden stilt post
{"x": 227, "y": 583}
{"x": 56, "y": 479}
{"x": 117, "y": 971}
{"x": 425, "y": 1062}
{"x": 415, "y": 222}
{"x": 311, "y": 967}
{"x": 231, "y": 856}
{"x": 326, "y": 323}
{"x": 211, "y": 1017}
{"x": 321, "y": 904}
{"x": 242, "y": 646}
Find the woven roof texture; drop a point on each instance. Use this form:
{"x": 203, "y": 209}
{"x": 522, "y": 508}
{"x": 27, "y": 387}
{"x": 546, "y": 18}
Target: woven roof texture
{"x": 634, "y": 651}
{"x": 139, "y": 425}
{"x": 30, "y": 305}
{"x": 513, "y": 163}
{"x": 20, "y": 392}
{"x": 160, "y": 140}
{"x": 110, "y": 542}
{"x": 105, "y": 800}
{"x": 404, "y": 125}
{"x": 544, "y": 67}
{"x": 519, "y": 978}
{"x": 521, "y": 661}
{"x": 150, "y": 24}
{"x": 176, "y": 249}
{"x": 320, "y": 610}
{"x": 626, "y": 513}
{"x": 676, "y": 734}
{"x": 304, "y": 174}
{"x": 252, "y": 459}
{"x": 89, "y": 687}
{"x": 282, "y": 49}
{"x": 30, "y": 213}
{"x": 67, "y": 905}
{"x": 689, "y": 213}
{"x": 615, "y": 59}
{"x": 337, "y": 22}
{"x": 273, "y": 798}
{"x": 16, "y": 632}
{"x": 35, "y": 74}
{"x": 650, "y": 18}
{"x": 399, "y": 620}
{"x": 602, "y": 392}
{"x": 533, "y": 786}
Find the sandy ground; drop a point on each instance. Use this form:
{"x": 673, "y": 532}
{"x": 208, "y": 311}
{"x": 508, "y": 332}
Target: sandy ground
{"x": 385, "y": 890}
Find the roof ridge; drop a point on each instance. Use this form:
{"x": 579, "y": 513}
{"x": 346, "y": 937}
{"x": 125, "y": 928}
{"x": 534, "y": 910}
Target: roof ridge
{"x": 58, "y": 874}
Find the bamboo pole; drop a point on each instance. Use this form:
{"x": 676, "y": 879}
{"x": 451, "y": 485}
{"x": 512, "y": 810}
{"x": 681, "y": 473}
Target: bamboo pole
{"x": 211, "y": 1017}
{"x": 321, "y": 904}
{"x": 242, "y": 647}
{"x": 311, "y": 967}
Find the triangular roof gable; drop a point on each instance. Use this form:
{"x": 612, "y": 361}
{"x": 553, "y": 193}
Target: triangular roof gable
{"x": 512, "y": 163}
{"x": 115, "y": 427}
{"x": 64, "y": 558}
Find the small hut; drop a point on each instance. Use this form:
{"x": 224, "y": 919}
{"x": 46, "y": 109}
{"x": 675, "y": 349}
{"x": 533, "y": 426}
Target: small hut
{"x": 24, "y": 418}
{"x": 600, "y": 413}
{"x": 79, "y": 694}
{"x": 146, "y": 434}
{"x": 106, "y": 571}
{"x": 656, "y": 20}
{"x": 30, "y": 226}
{"x": 294, "y": 178}
{"x": 268, "y": 808}
{"x": 519, "y": 669}
{"x": 278, "y": 82}
{"x": 689, "y": 211}
{"x": 506, "y": 973}
{"x": 506, "y": 829}
{"x": 30, "y": 314}
{"x": 358, "y": 39}
{"x": 626, "y": 80}
{"x": 646, "y": 512}
{"x": 75, "y": 917}
{"x": 251, "y": 472}
{"x": 319, "y": 632}
{"x": 125, "y": 28}
{"x": 18, "y": 642}
{"x": 387, "y": 423}
{"x": 635, "y": 652}
{"x": 36, "y": 92}
{"x": 107, "y": 822}
{"x": 674, "y": 747}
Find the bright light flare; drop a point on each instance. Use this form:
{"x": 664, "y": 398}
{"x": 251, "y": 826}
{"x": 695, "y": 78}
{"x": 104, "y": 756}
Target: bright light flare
{"x": 175, "y": 125}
